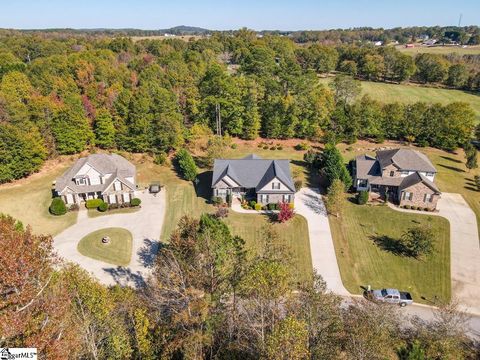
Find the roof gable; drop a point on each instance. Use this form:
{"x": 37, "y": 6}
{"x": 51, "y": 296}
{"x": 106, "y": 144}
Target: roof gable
{"x": 405, "y": 159}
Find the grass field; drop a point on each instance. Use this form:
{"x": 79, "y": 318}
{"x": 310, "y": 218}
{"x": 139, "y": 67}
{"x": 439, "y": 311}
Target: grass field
{"x": 418, "y": 49}
{"x": 93, "y": 213}
{"x": 362, "y": 262}
{"x": 185, "y": 199}
{"x": 117, "y": 252}
{"x": 410, "y": 93}
{"x": 28, "y": 200}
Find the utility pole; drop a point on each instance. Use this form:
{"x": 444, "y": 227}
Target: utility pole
{"x": 218, "y": 119}
{"x": 460, "y": 20}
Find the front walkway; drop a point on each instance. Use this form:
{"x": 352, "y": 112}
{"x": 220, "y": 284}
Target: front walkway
{"x": 309, "y": 204}
{"x": 145, "y": 226}
{"x": 464, "y": 249}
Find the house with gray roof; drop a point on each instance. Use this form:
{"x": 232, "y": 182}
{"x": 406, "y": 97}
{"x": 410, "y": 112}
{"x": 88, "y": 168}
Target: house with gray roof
{"x": 110, "y": 177}
{"x": 263, "y": 180}
{"x": 404, "y": 176}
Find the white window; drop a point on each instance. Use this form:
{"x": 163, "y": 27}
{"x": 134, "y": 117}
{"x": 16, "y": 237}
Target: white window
{"x": 276, "y": 185}
{"x": 112, "y": 199}
{"x": 126, "y": 197}
{"x": 407, "y": 195}
{"x": 428, "y": 198}
{"x": 117, "y": 186}
{"x": 429, "y": 174}
{"x": 392, "y": 173}
{"x": 264, "y": 199}
{"x": 69, "y": 199}
{"x": 286, "y": 198}
{"x": 82, "y": 181}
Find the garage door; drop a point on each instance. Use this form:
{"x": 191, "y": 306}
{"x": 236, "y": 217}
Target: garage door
{"x": 112, "y": 199}
{"x": 126, "y": 197}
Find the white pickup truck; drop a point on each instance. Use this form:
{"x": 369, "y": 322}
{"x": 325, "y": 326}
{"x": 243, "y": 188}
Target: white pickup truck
{"x": 391, "y": 296}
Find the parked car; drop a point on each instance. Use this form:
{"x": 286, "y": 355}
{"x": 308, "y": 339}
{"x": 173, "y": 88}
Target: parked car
{"x": 391, "y": 296}
{"x": 154, "y": 188}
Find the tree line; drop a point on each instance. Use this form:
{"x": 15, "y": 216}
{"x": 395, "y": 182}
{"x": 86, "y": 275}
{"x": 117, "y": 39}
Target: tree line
{"x": 64, "y": 95}
{"x": 208, "y": 298}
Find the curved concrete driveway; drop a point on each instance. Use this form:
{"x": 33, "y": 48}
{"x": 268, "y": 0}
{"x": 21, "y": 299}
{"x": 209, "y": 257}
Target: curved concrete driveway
{"x": 145, "y": 226}
{"x": 309, "y": 203}
{"x": 464, "y": 249}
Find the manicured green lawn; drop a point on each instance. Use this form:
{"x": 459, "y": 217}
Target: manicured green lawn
{"x": 185, "y": 199}
{"x": 362, "y": 262}
{"x": 409, "y": 93}
{"x": 475, "y": 50}
{"x": 117, "y": 252}
{"x": 28, "y": 200}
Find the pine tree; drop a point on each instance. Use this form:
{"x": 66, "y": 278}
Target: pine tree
{"x": 104, "y": 129}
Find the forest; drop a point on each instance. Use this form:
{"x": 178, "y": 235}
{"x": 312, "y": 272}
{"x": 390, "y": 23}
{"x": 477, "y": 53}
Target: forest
{"x": 208, "y": 298}
{"x": 65, "y": 94}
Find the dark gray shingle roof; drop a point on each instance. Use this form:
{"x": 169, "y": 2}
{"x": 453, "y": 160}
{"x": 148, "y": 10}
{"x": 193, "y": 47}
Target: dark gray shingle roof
{"x": 253, "y": 171}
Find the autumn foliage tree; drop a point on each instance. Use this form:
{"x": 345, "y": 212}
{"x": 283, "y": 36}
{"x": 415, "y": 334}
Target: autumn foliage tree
{"x": 286, "y": 212}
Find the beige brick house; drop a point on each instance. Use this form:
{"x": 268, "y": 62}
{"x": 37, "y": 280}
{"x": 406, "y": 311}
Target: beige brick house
{"x": 405, "y": 177}
{"x": 263, "y": 180}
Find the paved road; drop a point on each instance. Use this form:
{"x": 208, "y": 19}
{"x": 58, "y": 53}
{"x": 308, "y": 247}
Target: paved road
{"x": 309, "y": 203}
{"x": 145, "y": 226}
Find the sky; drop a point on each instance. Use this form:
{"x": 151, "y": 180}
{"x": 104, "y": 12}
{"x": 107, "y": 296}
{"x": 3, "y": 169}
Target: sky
{"x": 226, "y": 15}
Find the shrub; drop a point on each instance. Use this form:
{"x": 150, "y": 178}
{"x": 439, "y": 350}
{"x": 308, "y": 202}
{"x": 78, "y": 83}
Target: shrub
{"x": 273, "y": 148}
{"x": 279, "y": 147}
{"x": 57, "y": 207}
{"x": 93, "y": 203}
{"x": 292, "y": 205}
{"x": 418, "y": 241}
{"x": 286, "y": 212}
{"x": 186, "y": 164}
{"x": 272, "y": 206}
{"x": 229, "y": 199}
{"x": 302, "y": 146}
{"x": 114, "y": 206}
{"x": 217, "y": 200}
{"x": 161, "y": 158}
{"x": 426, "y": 209}
{"x": 252, "y": 204}
{"x": 258, "y": 206}
{"x": 74, "y": 207}
{"x": 233, "y": 146}
{"x": 135, "y": 202}
{"x": 222, "y": 212}
{"x": 265, "y": 147}
{"x": 407, "y": 207}
{"x": 362, "y": 197}
{"x": 298, "y": 184}
{"x": 103, "y": 207}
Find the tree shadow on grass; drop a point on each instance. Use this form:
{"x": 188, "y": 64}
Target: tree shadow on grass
{"x": 390, "y": 244}
{"x": 313, "y": 178}
{"x": 203, "y": 186}
{"x": 148, "y": 252}
{"x": 451, "y": 159}
{"x": 452, "y": 168}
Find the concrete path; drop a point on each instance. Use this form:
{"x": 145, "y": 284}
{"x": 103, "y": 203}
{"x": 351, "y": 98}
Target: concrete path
{"x": 464, "y": 249}
{"x": 309, "y": 203}
{"x": 145, "y": 226}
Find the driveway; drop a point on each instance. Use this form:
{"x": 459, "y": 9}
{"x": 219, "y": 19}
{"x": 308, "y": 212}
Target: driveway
{"x": 145, "y": 226}
{"x": 465, "y": 250}
{"x": 309, "y": 204}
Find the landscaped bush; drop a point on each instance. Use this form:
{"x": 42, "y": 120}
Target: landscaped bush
{"x": 258, "y": 206}
{"x": 265, "y": 147}
{"x": 135, "y": 202}
{"x": 233, "y": 146}
{"x": 273, "y": 148}
{"x": 407, "y": 207}
{"x": 272, "y": 206}
{"x": 57, "y": 207}
{"x": 426, "y": 209}
{"x": 302, "y": 146}
{"x": 103, "y": 207}
{"x": 286, "y": 212}
{"x": 292, "y": 205}
{"x": 217, "y": 200}
{"x": 74, "y": 207}
{"x": 93, "y": 203}
{"x": 252, "y": 204}
{"x": 279, "y": 147}
{"x": 298, "y": 184}
{"x": 362, "y": 197}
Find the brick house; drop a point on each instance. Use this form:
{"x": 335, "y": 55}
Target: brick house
{"x": 405, "y": 177}
{"x": 263, "y": 180}
{"x": 108, "y": 177}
